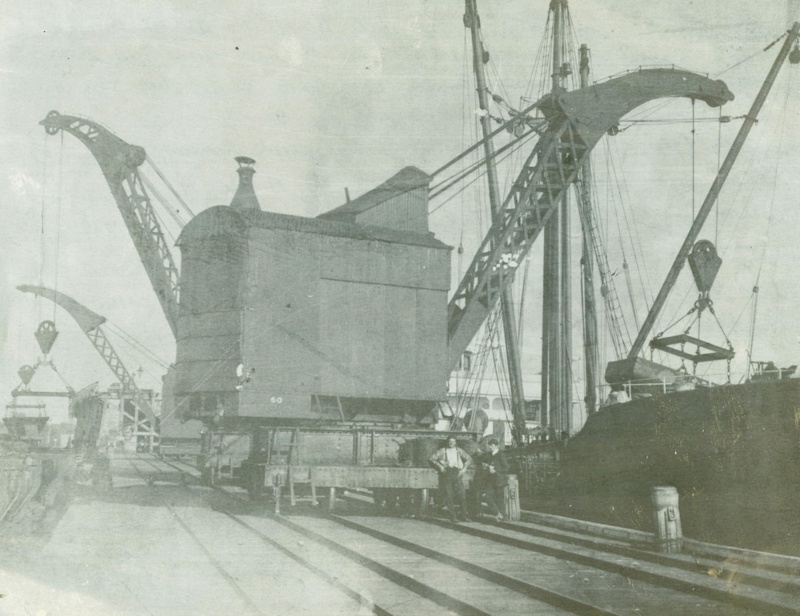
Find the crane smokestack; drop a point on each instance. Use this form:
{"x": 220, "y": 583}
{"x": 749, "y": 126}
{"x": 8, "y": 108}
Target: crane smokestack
{"x": 245, "y": 197}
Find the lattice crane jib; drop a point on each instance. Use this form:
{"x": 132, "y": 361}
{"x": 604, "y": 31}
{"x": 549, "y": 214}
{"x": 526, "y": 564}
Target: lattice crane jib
{"x": 120, "y": 162}
{"x": 576, "y": 122}
{"x": 90, "y": 323}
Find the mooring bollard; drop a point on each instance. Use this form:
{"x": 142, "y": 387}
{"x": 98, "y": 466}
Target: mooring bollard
{"x": 277, "y": 483}
{"x": 511, "y": 498}
{"x": 669, "y": 537}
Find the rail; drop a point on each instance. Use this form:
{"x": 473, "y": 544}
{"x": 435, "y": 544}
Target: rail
{"x": 396, "y": 566}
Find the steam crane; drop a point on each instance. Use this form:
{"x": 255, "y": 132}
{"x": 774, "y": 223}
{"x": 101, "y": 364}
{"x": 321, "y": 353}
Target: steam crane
{"x": 120, "y": 162}
{"x": 343, "y": 319}
{"x": 90, "y": 323}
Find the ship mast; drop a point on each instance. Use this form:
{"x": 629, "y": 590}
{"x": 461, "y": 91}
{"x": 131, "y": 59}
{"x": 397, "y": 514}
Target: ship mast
{"x": 480, "y": 57}
{"x": 557, "y": 301}
{"x": 590, "y": 341}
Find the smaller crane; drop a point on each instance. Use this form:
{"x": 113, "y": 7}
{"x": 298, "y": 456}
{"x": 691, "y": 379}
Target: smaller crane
{"x": 90, "y": 322}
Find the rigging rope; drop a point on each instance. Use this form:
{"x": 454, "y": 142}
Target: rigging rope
{"x": 168, "y": 185}
{"x": 467, "y": 185}
{"x": 775, "y": 175}
{"x": 132, "y": 341}
{"x": 733, "y": 66}
{"x": 612, "y": 173}
{"x": 513, "y": 145}
{"x": 165, "y": 204}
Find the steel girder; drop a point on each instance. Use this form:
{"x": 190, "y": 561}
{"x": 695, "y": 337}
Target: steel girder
{"x": 577, "y": 120}
{"x": 119, "y": 162}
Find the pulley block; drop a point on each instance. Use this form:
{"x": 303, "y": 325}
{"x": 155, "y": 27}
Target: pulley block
{"x": 705, "y": 264}
{"x": 46, "y": 335}
{"x": 26, "y": 374}
{"x": 51, "y": 129}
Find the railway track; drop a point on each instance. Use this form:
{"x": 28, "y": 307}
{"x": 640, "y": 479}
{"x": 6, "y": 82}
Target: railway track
{"x": 366, "y": 564}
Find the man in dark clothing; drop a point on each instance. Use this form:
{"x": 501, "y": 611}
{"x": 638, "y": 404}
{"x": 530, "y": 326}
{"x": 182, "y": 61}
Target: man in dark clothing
{"x": 452, "y": 462}
{"x": 491, "y": 478}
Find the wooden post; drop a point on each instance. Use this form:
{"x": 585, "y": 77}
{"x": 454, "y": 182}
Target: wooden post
{"x": 276, "y": 491}
{"x": 423, "y": 502}
{"x": 332, "y": 499}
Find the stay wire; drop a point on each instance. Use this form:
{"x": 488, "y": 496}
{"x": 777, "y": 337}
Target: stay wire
{"x": 138, "y": 345}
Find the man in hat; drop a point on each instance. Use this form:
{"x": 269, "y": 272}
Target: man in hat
{"x": 491, "y": 478}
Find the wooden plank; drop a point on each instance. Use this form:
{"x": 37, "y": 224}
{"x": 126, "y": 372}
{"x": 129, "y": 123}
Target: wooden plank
{"x": 374, "y": 477}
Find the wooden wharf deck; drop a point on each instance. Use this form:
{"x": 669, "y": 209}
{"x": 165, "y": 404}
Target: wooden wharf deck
{"x": 224, "y": 552}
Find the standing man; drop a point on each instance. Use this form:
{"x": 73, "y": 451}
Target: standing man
{"x": 452, "y": 462}
{"x": 492, "y": 478}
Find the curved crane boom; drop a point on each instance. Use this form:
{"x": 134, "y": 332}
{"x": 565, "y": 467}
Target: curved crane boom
{"x": 576, "y": 122}
{"x": 711, "y": 198}
{"x": 119, "y": 162}
{"x": 90, "y": 323}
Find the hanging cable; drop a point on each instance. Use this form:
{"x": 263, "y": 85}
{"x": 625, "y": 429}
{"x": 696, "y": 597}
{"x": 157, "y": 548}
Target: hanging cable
{"x": 58, "y": 219}
{"x": 752, "y": 328}
{"x": 694, "y": 163}
{"x": 719, "y": 164}
{"x": 42, "y": 244}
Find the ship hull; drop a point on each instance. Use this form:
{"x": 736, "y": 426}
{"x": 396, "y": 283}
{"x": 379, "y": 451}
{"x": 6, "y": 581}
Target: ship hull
{"x": 733, "y": 453}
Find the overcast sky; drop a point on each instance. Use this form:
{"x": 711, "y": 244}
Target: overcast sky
{"x": 333, "y": 94}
